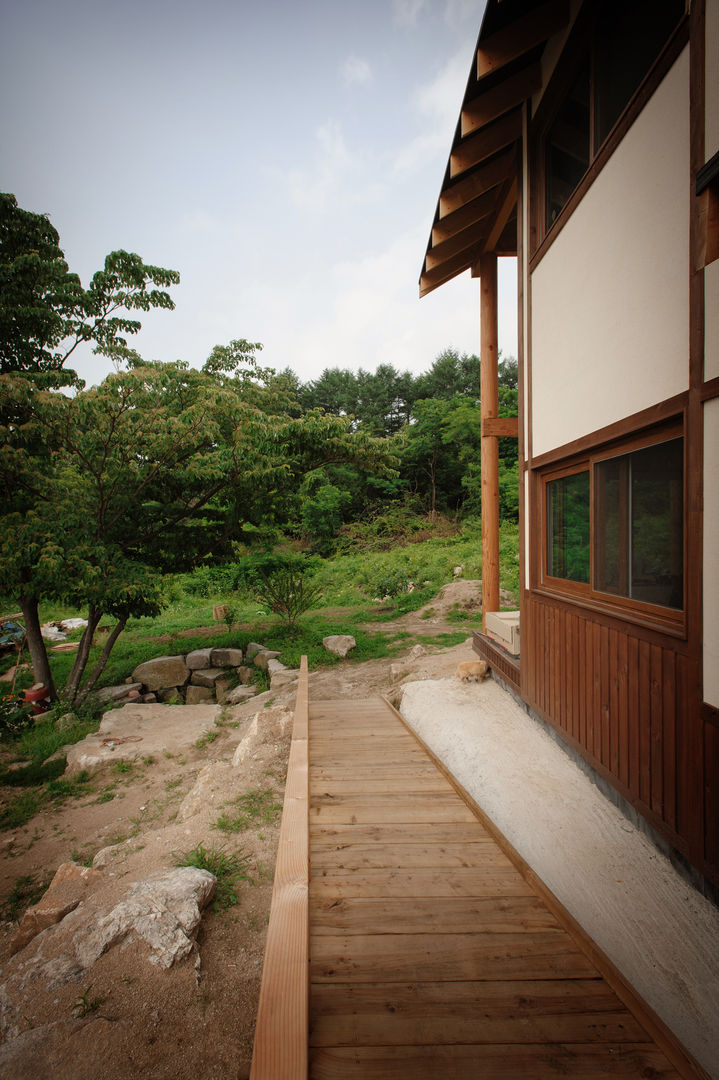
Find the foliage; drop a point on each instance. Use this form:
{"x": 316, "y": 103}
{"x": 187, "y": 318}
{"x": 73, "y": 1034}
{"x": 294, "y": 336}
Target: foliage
{"x": 85, "y": 1004}
{"x": 287, "y": 590}
{"x": 15, "y": 715}
{"x": 229, "y": 869}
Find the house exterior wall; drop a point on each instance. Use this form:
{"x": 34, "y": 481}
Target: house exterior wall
{"x": 610, "y": 298}
{"x": 711, "y": 114}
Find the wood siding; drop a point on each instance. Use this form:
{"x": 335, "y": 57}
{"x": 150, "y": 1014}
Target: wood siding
{"x": 627, "y": 700}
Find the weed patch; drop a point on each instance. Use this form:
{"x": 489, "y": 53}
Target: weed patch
{"x": 229, "y": 869}
{"x": 26, "y": 891}
{"x": 257, "y": 807}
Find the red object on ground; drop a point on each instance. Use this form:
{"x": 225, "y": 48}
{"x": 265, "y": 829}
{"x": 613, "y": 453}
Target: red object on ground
{"x": 38, "y": 697}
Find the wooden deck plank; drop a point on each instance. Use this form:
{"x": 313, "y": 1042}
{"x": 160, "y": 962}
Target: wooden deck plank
{"x": 411, "y": 856}
{"x": 365, "y": 809}
{"x": 494, "y": 1062}
{"x": 555, "y": 1010}
{"x": 464, "y": 881}
{"x": 389, "y": 785}
{"x": 437, "y": 832}
{"x": 455, "y": 915}
{"x": 447, "y": 957}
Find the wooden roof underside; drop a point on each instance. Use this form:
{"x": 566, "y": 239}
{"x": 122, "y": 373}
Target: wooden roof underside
{"x": 477, "y": 206}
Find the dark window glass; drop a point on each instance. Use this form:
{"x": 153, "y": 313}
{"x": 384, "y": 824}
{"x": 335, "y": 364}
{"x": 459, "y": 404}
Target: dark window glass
{"x": 567, "y": 145}
{"x": 629, "y": 37}
{"x": 639, "y": 514}
{"x": 568, "y": 532}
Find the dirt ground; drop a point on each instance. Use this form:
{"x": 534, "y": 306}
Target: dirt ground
{"x": 186, "y": 1021}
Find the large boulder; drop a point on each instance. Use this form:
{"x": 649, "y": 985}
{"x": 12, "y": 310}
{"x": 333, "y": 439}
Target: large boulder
{"x": 262, "y": 659}
{"x": 66, "y": 891}
{"x": 226, "y": 658}
{"x": 339, "y": 644}
{"x": 199, "y": 658}
{"x": 198, "y": 695}
{"x": 118, "y": 693}
{"x": 239, "y": 694}
{"x": 162, "y": 673}
{"x": 207, "y": 677}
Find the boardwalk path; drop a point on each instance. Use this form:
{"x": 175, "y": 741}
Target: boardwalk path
{"x": 431, "y": 954}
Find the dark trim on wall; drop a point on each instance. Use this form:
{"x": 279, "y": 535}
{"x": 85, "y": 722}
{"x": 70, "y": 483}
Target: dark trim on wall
{"x": 710, "y": 389}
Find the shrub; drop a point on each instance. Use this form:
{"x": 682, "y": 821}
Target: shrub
{"x": 228, "y": 868}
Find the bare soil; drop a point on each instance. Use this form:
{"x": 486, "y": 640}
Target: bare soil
{"x": 179, "y": 1022}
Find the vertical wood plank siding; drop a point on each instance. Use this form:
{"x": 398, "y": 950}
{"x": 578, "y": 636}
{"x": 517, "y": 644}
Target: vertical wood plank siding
{"x": 626, "y": 699}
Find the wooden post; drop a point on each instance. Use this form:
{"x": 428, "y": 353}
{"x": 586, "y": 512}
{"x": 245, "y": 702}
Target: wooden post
{"x": 489, "y": 442}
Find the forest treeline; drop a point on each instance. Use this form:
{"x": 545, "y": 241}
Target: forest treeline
{"x": 432, "y": 424}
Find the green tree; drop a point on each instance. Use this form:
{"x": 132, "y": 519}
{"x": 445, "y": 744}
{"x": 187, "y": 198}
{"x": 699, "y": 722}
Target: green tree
{"x": 45, "y": 313}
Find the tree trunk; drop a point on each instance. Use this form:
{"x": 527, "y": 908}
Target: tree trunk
{"x": 100, "y": 665}
{"x": 83, "y": 653}
{"x": 36, "y": 644}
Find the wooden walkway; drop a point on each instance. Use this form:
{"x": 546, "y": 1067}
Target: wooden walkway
{"x": 431, "y": 955}
{"x": 415, "y": 943}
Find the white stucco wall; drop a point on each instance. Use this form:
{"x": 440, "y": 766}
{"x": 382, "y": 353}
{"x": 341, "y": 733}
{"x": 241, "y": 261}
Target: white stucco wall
{"x": 711, "y": 552}
{"x": 610, "y": 299}
{"x": 711, "y": 320}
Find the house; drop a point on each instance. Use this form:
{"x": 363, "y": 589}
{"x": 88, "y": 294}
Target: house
{"x": 588, "y": 147}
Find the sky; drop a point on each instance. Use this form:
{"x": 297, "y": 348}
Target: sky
{"x": 284, "y": 157}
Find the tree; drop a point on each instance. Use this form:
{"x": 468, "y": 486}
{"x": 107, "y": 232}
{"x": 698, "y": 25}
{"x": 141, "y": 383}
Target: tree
{"x": 45, "y": 313}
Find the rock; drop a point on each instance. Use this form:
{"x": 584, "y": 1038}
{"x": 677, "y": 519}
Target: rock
{"x": 207, "y": 791}
{"x": 398, "y": 671}
{"x": 149, "y": 699}
{"x": 246, "y": 674}
{"x": 226, "y": 657}
{"x": 253, "y": 649}
{"x": 206, "y": 677}
{"x": 117, "y": 693}
{"x": 262, "y": 659}
{"x": 164, "y": 911}
{"x": 66, "y": 891}
{"x": 7, "y": 844}
{"x": 239, "y": 694}
{"x": 198, "y": 659}
{"x": 174, "y": 695}
{"x": 280, "y": 675}
{"x": 198, "y": 695}
{"x": 104, "y": 856}
{"x": 66, "y": 721}
{"x": 339, "y": 644}
{"x": 162, "y": 673}
{"x": 416, "y": 652}
{"x": 266, "y": 726}
{"x": 223, "y": 687}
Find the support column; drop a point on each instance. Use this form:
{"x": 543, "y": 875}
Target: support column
{"x": 489, "y": 443}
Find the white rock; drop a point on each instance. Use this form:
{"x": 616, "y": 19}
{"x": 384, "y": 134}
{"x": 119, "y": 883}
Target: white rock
{"x": 339, "y": 644}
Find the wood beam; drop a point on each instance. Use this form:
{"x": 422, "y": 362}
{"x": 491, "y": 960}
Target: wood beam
{"x": 521, "y": 35}
{"x": 459, "y": 220}
{"x": 477, "y": 183}
{"x": 503, "y": 97}
{"x": 503, "y": 215}
{"x": 503, "y": 427}
{"x": 449, "y": 269}
{"x": 489, "y": 408}
{"x": 490, "y": 140}
{"x": 468, "y": 240}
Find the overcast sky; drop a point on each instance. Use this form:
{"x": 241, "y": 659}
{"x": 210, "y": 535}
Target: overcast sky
{"x": 285, "y": 157}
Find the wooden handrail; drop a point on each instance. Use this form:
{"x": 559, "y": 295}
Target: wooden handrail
{"x": 281, "y": 1032}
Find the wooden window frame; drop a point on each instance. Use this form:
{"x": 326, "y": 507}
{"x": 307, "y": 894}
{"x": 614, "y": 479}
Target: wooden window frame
{"x": 541, "y": 233}
{"x": 652, "y": 616}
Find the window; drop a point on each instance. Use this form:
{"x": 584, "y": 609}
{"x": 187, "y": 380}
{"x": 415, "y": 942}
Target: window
{"x": 614, "y": 526}
{"x": 620, "y": 43}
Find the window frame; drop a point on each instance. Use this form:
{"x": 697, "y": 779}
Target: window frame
{"x": 542, "y": 232}
{"x": 654, "y": 616}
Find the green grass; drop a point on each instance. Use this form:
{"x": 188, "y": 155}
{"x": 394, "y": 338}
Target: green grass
{"x": 229, "y": 869}
{"x": 256, "y": 807}
{"x": 26, "y": 891}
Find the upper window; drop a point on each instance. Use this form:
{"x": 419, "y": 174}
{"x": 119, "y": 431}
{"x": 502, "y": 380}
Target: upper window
{"x": 624, "y": 39}
{"x": 614, "y": 527}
